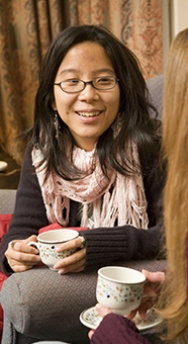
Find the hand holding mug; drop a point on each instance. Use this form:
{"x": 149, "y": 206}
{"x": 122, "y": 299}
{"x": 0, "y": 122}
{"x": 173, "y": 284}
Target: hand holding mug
{"x": 20, "y": 256}
{"x": 151, "y": 290}
{"x": 60, "y": 250}
{"x": 120, "y": 288}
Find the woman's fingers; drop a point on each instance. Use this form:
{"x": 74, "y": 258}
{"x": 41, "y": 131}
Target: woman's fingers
{"x": 20, "y": 256}
{"x": 75, "y": 267}
{"x": 151, "y": 290}
{"x": 90, "y": 334}
{"x": 102, "y": 310}
{"x": 79, "y": 242}
{"x": 75, "y": 261}
{"x": 19, "y": 267}
{"x": 157, "y": 277}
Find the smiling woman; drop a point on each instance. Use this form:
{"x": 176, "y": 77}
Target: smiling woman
{"x": 88, "y": 108}
{"x": 92, "y": 142}
{"x": 92, "y": 160}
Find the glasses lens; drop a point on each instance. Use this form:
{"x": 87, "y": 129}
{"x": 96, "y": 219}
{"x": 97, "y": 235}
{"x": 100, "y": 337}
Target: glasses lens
{"x": 72, "y": 85}
{"x": 104, "y": 83}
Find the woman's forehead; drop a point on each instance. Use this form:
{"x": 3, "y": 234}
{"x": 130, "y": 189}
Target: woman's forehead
{"x": 87, "y": 55}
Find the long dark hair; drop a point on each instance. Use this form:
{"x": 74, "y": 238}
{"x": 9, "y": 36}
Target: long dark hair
{"x": 136, "y": 122}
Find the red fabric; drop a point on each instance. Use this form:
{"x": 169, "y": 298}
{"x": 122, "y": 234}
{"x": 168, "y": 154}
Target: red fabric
{"x": 57, "y": 226}
{"x": 2, "y": 279}
{"x": 49, "y": 227}
{"x": 4, "y": 223}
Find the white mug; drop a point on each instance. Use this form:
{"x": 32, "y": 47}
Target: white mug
{"x": 120, "y": 288}
{"x": 48, "y": 243}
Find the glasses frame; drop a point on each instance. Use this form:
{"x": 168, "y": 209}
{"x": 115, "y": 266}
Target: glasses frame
{"x": 85, "y": 83}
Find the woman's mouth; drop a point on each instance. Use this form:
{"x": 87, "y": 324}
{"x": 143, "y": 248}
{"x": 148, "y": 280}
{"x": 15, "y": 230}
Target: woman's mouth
{"x": 89, "y": 114}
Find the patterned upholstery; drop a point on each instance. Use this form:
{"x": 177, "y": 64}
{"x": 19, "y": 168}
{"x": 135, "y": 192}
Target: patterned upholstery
{"x": 40, "y": 305}
{"x": 155, "y": 86}
{"x": 7, "y": 201}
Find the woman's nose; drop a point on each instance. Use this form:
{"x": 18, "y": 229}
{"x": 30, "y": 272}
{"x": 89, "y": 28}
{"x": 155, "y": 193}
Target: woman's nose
{"x": 89, "y": 93}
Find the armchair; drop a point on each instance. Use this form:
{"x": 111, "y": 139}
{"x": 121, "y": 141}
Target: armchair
{"x": 41, "y": 305}
{"x": 7, "y": 200}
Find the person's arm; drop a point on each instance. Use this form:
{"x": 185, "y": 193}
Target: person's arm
{"x": 29, "y": 214}
{"x": 107, "y": 245}
{"x": 117, "y": 329}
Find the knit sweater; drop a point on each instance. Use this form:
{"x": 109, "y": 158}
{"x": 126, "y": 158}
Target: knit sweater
{"x": 103, "y": 245}
{"x": 115, "y": 329}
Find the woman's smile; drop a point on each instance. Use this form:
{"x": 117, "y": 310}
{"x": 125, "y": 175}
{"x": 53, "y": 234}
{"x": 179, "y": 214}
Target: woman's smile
{"x": 90, "y": 112}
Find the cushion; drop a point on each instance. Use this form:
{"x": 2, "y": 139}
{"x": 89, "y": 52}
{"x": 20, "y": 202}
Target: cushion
{"x": 4, "y": 223}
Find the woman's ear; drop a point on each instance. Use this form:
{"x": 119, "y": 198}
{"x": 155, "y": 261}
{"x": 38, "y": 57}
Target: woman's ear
{"x": 54, "y": 105}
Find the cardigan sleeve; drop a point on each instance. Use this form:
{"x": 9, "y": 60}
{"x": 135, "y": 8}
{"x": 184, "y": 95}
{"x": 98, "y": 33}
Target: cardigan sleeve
{"x": 117, "y": 329}
{"x": 29, "y": 213}
{"x": 107, "y": 245}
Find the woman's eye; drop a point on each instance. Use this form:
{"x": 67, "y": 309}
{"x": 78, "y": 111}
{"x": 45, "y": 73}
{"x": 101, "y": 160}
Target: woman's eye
{"x": 71, "y": 82}
{"x": 105, "y": 81}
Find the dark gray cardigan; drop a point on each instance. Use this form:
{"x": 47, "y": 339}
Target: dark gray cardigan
{"x": 103, "y": 245}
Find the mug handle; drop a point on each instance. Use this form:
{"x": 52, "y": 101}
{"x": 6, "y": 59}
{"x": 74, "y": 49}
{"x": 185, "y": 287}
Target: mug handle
{"x": 33, "y": 243}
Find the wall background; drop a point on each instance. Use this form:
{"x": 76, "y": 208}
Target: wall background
{"x": 179, "y": 16}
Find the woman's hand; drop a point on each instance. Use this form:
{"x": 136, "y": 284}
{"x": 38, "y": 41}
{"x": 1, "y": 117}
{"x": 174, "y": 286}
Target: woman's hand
{"x": 102, "y": 310}
{"x": 20, "y": 256}
{"x": 75, "y": 262}
{"x": 151, "y": 290}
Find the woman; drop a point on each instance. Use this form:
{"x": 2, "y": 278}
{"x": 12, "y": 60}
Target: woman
{"x": 172, "y": 302}
{"x": 174, "y": 308}
{"x": 93, "y": 157}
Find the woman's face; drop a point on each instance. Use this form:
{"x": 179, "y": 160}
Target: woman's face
{"x": 90, "y": 112}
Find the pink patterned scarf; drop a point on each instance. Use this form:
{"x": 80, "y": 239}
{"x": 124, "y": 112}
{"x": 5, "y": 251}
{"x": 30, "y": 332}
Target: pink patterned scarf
{"x": 116, "y": 198}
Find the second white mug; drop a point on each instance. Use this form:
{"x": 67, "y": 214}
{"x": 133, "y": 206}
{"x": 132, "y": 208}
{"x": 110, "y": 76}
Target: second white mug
{"x": 120, "y": 288}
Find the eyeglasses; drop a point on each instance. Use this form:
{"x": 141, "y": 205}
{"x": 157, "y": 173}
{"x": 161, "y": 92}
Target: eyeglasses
{"x": 76, "y": 85}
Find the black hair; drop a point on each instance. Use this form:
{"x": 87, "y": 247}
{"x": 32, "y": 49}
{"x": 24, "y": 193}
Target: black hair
{"x": 136, "y": 122}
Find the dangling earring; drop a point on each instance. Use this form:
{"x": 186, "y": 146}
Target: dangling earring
{"x": 56, "y": 125}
